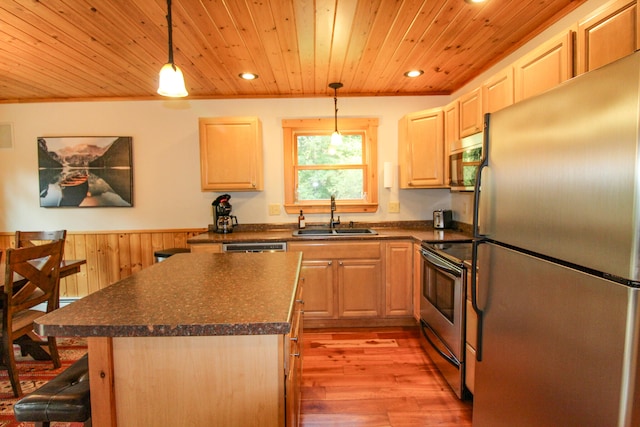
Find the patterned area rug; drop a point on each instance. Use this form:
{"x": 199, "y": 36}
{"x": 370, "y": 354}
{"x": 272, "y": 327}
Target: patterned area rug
{"x": 33, "y": 375}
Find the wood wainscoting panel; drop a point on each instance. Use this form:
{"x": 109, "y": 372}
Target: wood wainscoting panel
{"x": 110, "y": 255}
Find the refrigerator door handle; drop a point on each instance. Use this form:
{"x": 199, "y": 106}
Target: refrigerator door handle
{"x": 483, "y": 164}
{"x": 474, "y": 297}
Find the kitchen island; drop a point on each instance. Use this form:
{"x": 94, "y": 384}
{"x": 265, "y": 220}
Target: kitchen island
{"x": 197, "y": 340}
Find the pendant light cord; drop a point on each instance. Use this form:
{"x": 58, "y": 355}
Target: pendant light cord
{"x": 335, "y": 102}
{"x": 170, "y": 32}
{"x": 335, "y": 86}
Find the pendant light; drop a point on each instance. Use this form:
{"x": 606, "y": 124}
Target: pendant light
{"x": 336, "y": 138}
{"x": 171, "y": 78}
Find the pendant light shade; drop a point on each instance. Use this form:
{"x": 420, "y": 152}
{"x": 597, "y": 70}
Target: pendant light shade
{"x": 336, "y": 137}
{"x": 171, "y": 78}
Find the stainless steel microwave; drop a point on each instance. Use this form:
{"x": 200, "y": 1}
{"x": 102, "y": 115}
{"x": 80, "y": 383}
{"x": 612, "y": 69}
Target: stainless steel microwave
{"x": 464, "y": 160}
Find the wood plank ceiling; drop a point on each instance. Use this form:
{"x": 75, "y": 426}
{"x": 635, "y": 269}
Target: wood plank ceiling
{"x": 113, "y": 49}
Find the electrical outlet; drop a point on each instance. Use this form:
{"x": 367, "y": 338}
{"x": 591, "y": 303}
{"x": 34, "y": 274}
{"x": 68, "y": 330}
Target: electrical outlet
{"x": 394, "y": 207}
{"x": 274, "y": 209}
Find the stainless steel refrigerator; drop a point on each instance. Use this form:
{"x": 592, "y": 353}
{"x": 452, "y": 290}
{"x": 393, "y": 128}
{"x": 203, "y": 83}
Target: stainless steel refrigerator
{"x": 556, "y": 291}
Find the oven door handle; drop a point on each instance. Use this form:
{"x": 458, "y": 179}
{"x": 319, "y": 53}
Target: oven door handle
{"x": 442, "y": 265}
{"x": 448, "y": 356}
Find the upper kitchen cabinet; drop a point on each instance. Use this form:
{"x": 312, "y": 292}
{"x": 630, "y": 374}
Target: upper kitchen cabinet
{"x": 231, "y": 154}
{"x": 451, "y": 124}
{"x": 545, "y": 67}
{"x": 451, "y": 132}
{"x": 609, "y": 34}
{"x": 471, "y": 113}
{"x": 421, "y": 149}
{"x": 497, "y": 91}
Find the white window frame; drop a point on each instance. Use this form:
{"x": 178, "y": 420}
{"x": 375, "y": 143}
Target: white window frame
{"x": 368, "y": 127}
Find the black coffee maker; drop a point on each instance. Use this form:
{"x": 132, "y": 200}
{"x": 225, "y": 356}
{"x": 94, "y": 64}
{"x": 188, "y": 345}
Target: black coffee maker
{"x": 222, "y": 218}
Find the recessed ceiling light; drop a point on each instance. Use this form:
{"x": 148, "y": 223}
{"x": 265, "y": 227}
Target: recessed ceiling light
{"x": 413, "y": 73}
{"x": 248, "y": 76}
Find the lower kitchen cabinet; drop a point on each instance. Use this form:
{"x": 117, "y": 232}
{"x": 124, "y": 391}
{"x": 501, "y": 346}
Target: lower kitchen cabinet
{"x": 417, "y": 280}
{"x": 341, "y": 279}
{"x": 398, "y": 278}
{"x": 359, "y": 288}
{"x": 356, "y": 283}
{"x": 318, "y": 275}
{"x": 293, "y": 362}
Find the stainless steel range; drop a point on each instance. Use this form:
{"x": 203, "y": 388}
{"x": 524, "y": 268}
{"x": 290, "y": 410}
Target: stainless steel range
{"x": 442, "y": 308}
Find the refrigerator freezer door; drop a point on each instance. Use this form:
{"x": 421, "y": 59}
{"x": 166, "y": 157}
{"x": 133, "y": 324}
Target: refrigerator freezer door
{"x": 563, "y": 172}
{"x": 554, "y": 350}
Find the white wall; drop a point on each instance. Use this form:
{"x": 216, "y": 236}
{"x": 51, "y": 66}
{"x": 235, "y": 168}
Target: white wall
{"x": 166, "y": 161}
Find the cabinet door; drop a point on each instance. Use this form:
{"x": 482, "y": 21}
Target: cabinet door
{"x": 417, "y": 280}
{"x": 609, "y": 34}
{"x": 471, "y": 113}
{"x": 293, "y": 353}
{"x": 545, "y": 67}
{"x": 231, "y": 154}
{"x": 451, "y": 134}
{"x": 359, "y": 288}
{"x": 451, "y": 124}
{"x": 421, "y": 149}
{"x": 319, "y": 295}
{"x": 497, "y": 92}
{"x": 398, "y": 278}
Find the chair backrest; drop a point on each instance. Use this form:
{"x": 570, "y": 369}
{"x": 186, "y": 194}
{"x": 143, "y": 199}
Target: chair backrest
{"x": 35, "y": 271}
{"x": 26, "y": 239}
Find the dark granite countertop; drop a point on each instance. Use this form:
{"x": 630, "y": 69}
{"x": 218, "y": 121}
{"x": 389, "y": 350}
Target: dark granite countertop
{"x": 190, "y": 294}
{"x": 416, "y": 230}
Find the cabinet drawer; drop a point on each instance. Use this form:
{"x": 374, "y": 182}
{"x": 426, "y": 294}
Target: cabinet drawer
{"x": 338, "y": 250}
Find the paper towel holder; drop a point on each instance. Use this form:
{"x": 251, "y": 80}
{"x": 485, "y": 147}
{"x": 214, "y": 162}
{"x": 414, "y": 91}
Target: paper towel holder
{"x": 387, "y": 173}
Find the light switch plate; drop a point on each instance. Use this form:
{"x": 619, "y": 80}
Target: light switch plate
{"x": 274, "y": 209}
{"x": 394, "y": 207}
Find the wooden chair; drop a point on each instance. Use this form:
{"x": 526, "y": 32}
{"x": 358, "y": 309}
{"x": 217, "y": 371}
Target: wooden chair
{"x": 26, "y": 239}
{"x": 37, "y": 270}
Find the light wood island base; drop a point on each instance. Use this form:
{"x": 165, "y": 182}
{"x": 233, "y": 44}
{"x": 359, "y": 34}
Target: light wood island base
{"x": 235, "y": 380}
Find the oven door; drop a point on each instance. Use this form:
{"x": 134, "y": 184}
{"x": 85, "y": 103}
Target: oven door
{"x": 442, "y": 317}
{"x": 441, "y": 299}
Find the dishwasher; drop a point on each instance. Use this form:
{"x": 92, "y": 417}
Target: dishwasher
{"x": 255, "y": 247}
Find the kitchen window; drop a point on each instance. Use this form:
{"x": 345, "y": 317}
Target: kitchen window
{"x": 314, "y": 169}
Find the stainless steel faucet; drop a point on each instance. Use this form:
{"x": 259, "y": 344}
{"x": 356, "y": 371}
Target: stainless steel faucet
{"x": 332, "y": 222}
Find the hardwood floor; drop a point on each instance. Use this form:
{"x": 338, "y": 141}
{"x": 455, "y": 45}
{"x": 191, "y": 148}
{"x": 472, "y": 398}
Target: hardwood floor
{"x": 381, "y": 377}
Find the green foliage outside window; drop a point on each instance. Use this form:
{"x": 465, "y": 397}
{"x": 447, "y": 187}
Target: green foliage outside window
{"x": 324, "y": 170}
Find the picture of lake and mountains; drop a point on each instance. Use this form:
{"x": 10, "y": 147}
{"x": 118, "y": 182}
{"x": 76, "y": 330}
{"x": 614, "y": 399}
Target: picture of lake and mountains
{"x": 85, "y": 171}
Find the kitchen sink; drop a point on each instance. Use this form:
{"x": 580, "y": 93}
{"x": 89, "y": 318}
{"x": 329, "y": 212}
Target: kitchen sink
{"x": 354, "y": 231}
{"x": 312, "y": 232}
{"x": 334, "y": 232}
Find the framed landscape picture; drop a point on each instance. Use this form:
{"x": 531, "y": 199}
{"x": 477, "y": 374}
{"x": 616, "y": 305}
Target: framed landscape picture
{"x": 85, "y": 172}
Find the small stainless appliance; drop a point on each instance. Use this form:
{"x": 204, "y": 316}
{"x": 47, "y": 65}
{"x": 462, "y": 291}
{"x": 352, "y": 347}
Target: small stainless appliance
{"x": 464, "y": 160}
{"x": 442, "y": 218}
{"x": 222, "y": 218}
{"x": 442, "y": 308}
